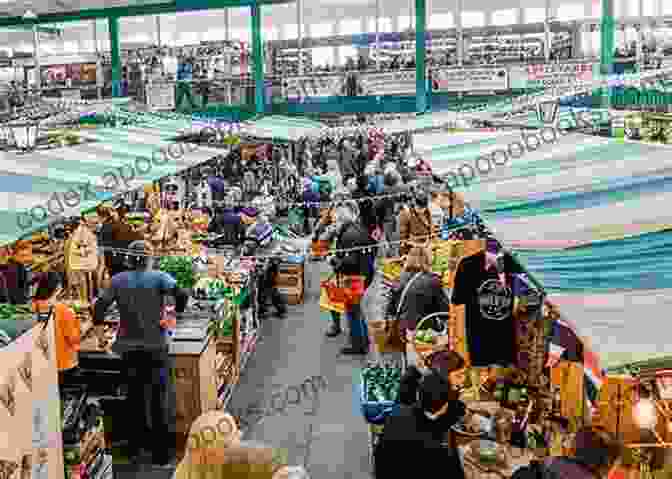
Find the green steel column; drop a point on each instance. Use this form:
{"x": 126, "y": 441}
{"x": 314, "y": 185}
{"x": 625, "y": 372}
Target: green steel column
{"x": 420, "y": 56}
{"x": 116, "y": 56}
{"x": 258, "y": 59}
{"x": 607, "y": 47}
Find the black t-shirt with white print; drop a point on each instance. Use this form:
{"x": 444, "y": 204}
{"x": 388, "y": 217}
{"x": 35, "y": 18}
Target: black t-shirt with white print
{"x": 489, "y": 311}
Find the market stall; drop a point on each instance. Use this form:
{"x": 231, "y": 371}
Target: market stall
{"x": 552, "y": 386}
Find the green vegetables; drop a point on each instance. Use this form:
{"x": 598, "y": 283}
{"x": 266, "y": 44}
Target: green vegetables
{"x": 221, "y": 328}
{"x": 425, "y": 336}
{"x": 381, "y": 383}
{"x": 211, "y": 288}
{"x": 181, "y": 268}
{"x": 13, "y": 311}
{"x": 536, "y": 439}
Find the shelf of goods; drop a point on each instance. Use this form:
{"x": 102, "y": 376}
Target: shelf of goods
{"x": 86, "y": 451}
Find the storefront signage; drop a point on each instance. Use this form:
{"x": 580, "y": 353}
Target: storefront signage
{"x": 389, "y": 83}
{"x": 550, "y": 75}
{"x": 312, "y": 86}
{"x": 470, "y": 79}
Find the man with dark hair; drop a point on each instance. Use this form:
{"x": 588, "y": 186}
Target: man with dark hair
{"x": 143, "y": 345}
{"x": 413, "y": 436}
{"x": 117, "y": 234}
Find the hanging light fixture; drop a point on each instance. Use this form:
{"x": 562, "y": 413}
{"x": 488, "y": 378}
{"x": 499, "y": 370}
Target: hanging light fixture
{"x": 645, "y": 414}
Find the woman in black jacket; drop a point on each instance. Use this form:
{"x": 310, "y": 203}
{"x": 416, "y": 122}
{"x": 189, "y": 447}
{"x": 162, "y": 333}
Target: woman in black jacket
{"x": 354, "y": 237}
{"x": 425, "y": 294}
{"x": 412, "y": 444}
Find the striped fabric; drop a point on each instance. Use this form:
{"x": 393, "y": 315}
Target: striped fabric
{"x": 566, "y": 343}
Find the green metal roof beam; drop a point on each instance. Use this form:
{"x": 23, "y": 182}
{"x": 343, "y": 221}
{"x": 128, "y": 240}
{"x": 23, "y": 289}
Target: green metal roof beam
{"x": 134, "y": 11}
{"x": 49, "y": 30}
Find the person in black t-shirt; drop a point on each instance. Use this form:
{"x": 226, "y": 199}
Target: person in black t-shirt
{"x": 489, "y": 310}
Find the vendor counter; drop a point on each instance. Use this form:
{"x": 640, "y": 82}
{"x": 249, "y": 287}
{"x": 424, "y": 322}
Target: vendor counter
{"x": 192, "y": 390}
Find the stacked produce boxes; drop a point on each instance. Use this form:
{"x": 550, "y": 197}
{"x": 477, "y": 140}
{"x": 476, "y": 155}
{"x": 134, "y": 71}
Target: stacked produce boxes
{"x": 290, "y": 282}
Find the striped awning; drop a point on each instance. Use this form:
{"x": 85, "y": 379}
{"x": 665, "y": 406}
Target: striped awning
{"x": 125, "y": 157}
{"x": 282, "y": 128}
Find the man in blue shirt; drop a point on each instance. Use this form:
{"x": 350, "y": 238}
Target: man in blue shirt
{"x": 139, "y": 295}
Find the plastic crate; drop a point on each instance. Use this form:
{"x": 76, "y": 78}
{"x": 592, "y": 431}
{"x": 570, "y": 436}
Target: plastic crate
{"x": 374, "y": 412}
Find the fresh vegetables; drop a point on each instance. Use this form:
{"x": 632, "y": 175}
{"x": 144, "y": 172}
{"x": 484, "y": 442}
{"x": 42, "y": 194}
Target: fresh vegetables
{"x": 12, "y": 311}
{"x": 210, "y": 288}
{"x": 536, "y": 439}
{"x": 381, "y": 383}
{"x": 181, "y": 268}
{"x": 425, "y": 336}
{"x": 221, "y": 328}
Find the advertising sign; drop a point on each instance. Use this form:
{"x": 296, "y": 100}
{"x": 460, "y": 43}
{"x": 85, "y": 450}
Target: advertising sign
{"x": 312, "y": 86}
{"x": 389, "y": 83}
{"x": 549, "y": 75}
{"x": 470, "y": 79}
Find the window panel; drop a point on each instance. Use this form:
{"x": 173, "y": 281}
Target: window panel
{"x": 70, "y": 47}
{"x": 505, "y": 17}
{"x": 385, "y": 25}
{"x": 138, "y": 38}
{"x": 321, "y": 30}
{"x": 350, "y": 27}
{"x": 441, "y": 21}
{"x": 190, "y": 38}
{"x": 649, "y": 8}
{"x": 270, "y": 34}
{"x": 240, "y": 34}
{"x": 667, "y": 8}
{"x": 214, "y": 34}
{"x": 323, "y": 56}
{"x": 345, "y": 52}
{"x": 473, "y": 19}
{"x": 290, "y": 31}
{"x": 88, "y": 46}
{"x": 405, "y": 22}
{"x": 632, "y": 9}
{"x": 573, "y": 11}
{"x": 535, "y": 15}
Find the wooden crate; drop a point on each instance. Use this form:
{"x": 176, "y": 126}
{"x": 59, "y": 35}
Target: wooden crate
{"x": 291, "y": 268}
{"x": 289, "y": 280}
{"x": 292, "y": 295}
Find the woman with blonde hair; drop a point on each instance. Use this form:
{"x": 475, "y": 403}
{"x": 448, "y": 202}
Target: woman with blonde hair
{"x": 214, "y": 450}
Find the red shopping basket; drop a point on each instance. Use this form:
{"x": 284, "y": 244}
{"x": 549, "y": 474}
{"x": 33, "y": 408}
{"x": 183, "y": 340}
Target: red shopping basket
{"x": 344, "y": 290}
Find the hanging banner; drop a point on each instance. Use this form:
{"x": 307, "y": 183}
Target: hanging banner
{"x": 389, "y": 83}
{"x": 470, "y": 79}
{"x": 549, "y": 75}
{"x": 312, "y": 86}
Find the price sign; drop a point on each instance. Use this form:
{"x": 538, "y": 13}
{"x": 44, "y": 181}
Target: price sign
{"x": 470, "y": 79}
{"x": 312, "y": 86}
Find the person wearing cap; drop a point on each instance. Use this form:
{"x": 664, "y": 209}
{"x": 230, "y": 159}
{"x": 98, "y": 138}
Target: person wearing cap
{"x": 118, "y": 236}
{"x": 415, "y": 221}
{"x": 140, "y": 295}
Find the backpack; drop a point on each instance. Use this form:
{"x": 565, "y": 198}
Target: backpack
{"x": 324, "y": 189}
{"x": 535, "y": 470}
